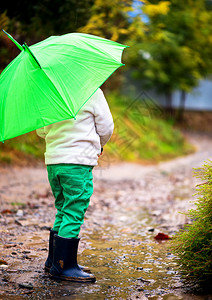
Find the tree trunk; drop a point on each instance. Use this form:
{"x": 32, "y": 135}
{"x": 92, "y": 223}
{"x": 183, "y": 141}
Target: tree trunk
{"x": 169, "y": 108}
{"x": 181, "y": 109}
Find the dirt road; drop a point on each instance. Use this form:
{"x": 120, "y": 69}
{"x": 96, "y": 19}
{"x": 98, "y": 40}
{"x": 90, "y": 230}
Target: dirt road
{"x": 130, "y": 205}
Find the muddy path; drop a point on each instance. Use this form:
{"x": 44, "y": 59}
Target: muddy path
{"x": 130, "y": 205}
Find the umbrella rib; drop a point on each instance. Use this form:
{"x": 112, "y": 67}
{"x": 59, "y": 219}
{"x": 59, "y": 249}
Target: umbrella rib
{"x": 58, "y": 92}
{"x": 102, "y": 50}
{"x": 98, "y": 87}
{"x": 30, "y": 52}
{"x": 3, "y": 107}
{"x": 64, "y": 99}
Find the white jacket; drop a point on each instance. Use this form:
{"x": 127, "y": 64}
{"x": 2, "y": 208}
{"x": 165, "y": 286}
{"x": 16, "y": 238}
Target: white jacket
{"x": 79, "y": 141}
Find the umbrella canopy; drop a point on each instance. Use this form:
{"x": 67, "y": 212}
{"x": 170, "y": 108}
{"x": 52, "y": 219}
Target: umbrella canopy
{"x": 51, "y": 80}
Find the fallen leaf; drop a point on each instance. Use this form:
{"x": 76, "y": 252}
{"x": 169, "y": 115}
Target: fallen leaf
{"x": 162, "y": 236}
{"x": 32, "y": 205}
{"x": 27, "y": 292}
{"x": 3, "y": 262}
{"x": 6, "y": 211}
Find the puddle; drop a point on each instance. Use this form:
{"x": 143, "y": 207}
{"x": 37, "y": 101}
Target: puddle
{"x": 127, "y": 262}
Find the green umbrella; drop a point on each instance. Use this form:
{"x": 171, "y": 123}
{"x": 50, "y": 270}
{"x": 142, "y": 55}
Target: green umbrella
{"x": 51, "y": 80}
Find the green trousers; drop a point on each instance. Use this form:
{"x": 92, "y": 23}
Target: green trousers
{"x": 72, "y": 187}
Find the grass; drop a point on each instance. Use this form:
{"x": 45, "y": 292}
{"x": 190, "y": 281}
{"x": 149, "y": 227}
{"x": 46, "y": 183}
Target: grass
{"x": 193, "y": 244}
{"x": 140, "y": 135}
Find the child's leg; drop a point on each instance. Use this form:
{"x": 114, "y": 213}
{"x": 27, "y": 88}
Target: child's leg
{"x": 77, "y": 184}
{"x": 57, "y": 191}
{"x": 77, "y": 187}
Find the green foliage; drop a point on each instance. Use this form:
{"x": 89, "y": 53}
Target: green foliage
{"x": 176, "y": 49}
{"x": 26, "y": 149}
{"x": 193, "y": 244}
{"x": 140, "y": 134}
{"x": 110, "y": 19}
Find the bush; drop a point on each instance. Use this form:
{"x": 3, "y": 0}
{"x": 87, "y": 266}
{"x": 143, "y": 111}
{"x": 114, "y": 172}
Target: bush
{"x": 193, "y": 244}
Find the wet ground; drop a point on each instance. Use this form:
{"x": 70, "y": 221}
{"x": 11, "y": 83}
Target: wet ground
{"x": 131, "y": 204}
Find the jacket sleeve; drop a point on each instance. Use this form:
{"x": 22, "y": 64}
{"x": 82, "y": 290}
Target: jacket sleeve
{"x": 103, "y": 118}
{"x": 41, "y": 133}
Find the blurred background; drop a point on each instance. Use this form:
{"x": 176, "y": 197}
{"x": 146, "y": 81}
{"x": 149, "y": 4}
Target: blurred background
{"x": 163, "y": 90}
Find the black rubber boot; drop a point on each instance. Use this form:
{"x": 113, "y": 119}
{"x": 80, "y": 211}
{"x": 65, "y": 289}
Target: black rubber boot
{"x": 64, "y": 264}
{"x": 48, "y": 262}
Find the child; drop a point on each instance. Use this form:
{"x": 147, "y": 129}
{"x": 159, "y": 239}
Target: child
{"x": 72, "y": 150}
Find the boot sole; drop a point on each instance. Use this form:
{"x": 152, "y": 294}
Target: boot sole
{"x": 86, "y": 270}
{"x": 73, "y": 279}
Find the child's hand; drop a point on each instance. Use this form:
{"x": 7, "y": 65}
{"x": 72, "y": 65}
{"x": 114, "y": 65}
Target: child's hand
{"x": 101, "y": 152}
